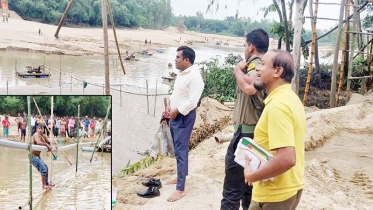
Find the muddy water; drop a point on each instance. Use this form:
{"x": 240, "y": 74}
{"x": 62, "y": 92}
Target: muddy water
{"x": 91, "y": 68}
{"x": 89, "y": 188}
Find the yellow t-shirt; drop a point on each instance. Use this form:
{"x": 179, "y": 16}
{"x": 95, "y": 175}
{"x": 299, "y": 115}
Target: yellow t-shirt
{"x": 282, "y": 124}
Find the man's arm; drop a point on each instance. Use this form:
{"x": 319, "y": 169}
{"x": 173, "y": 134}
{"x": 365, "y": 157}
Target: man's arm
{"x": 244, "y": 81}
{"x": 281, "y": 162}
{"x": 42, "y": 143}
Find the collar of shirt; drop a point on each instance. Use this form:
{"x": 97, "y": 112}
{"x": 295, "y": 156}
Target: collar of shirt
{"x": 190, "y": 68}
{"x": 280, "y": 89}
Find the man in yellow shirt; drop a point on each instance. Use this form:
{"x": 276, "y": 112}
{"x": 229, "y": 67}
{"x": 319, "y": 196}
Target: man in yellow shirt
{"x": 280, "y": 130}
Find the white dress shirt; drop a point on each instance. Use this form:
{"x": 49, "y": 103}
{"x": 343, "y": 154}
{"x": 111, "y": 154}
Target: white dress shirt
{"x": 188, "y": 89}
{"x": 33, "y": 120}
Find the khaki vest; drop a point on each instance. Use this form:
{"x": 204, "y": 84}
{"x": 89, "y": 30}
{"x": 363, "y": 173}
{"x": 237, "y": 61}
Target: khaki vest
{"x": 248, "y": 109}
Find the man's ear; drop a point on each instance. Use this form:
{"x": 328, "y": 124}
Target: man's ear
{"x": 279, "y": 71}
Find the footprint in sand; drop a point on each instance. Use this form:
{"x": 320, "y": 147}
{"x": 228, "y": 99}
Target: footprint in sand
{"x": 336, "y": 174}
{"x": 361, "y": 179}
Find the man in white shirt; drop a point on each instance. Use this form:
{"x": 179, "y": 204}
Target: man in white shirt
{"x": 33, "y": 125}
{"x": 181, "y": 107}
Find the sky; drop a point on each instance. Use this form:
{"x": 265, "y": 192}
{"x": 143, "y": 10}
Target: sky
{"x": 251, "y": 8}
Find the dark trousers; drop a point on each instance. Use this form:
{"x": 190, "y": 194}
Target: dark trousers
{"x": 234, "y": 188}
{"x": 181, "y": 130}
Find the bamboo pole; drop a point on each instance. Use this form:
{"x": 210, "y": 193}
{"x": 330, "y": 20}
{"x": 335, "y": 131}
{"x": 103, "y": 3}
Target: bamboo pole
{"x": 312, "y": 54}
{"x": 350, "y": 64}
{"x": 343, "y": 59}
{"x": 37, "y": 196}
{"x": 115, "y": 36}
{"x": 103, "y": 127}
{"x": 37, "y": 107}
{"x": 336, "y": 54}
{"x": 369, "y": 63}
{"x": 147, "y": 95}
{"x": 63, "y": 18}
{"x": 106, "y": 48}
{"x": 51, "y": 137}
{"x": 30, "y": 150}
{"x": 155, "y": 97}
{"x": 77, "y": 144}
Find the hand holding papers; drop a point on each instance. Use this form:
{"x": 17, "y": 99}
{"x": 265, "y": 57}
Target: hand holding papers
{"x": 256, "y": 153}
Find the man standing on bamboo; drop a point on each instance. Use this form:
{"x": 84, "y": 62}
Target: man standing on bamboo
{"x": 188, "y": 89}
{"x": 39, "y": 138}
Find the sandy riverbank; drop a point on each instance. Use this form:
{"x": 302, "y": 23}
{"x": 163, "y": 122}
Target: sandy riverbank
{"x": 23, "y": 35}
{"x": 338, "y": 174}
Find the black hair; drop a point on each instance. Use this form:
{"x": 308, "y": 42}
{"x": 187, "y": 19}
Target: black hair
{"x": 187, "y": 52}
{"x": 259, "y": 38}
{"x": 285, "y": 60}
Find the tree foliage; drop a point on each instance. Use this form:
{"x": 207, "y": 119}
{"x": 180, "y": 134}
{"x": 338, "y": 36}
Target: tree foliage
{"x": 127, "y": 13}
{"x": 63, "y": 105}
{"x": 220, "y": 83}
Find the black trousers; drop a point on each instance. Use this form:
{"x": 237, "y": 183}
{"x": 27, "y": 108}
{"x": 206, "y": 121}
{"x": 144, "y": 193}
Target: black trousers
{"x": 235, "y": 189}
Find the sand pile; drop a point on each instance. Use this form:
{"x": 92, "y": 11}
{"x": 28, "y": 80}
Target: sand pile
{"x": 338, "y": 171}
{"x": 171, "y": 29}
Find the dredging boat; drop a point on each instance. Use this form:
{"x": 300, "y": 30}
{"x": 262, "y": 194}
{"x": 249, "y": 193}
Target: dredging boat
{"x": 32, "y": 72}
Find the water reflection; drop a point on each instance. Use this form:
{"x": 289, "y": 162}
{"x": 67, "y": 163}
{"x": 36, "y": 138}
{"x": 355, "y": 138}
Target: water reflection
{"x": 90, "y": 188}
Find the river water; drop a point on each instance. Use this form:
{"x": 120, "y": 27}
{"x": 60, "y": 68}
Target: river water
{"x": 89, "y": 188}
{"x": 91, "y": 68}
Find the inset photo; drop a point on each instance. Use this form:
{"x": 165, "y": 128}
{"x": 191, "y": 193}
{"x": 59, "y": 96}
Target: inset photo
{"x": 55, "y": 152}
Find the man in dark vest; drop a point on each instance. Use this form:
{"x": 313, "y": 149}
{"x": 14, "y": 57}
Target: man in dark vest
{"x": 247, "y": 110}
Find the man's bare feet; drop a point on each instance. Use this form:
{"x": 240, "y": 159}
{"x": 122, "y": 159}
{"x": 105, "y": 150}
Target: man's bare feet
{"x": 176, "y": 196}
{"x": 46, "y": 187}
{"x": 173, "y": 181}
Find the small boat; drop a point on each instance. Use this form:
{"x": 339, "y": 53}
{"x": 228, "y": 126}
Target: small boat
{"x": 171, "y": 77}
{"x": 145, "y": 53}
{"x": 131, "y": 57}
{"x": 159, "y": 50}
{"x": 32, "y": 72}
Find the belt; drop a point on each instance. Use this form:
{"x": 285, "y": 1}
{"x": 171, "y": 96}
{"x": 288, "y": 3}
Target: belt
{"x": 244, "y": 128}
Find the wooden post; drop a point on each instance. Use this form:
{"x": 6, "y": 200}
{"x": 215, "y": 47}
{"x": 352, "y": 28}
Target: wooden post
{"x": 147, "y": 95}
{"x": 77, "y": 144}
{"x": 352, "y": 46}
{"x": 344, "y": 57}
{"x": 310, "y": 66}
{"x": 60, "y": 82}
{"x": 29, "y": 150}
{"x": 115, "y": 36}
{"x": 60, "y": 73}
{"x": 50, "y": 137}
{"x": 106, "y": 48}
{"x": 63, "y": 18}
{"x": 336, "y": 54}
{"x": 155, "y": 97}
